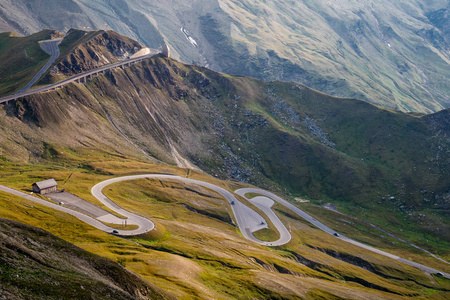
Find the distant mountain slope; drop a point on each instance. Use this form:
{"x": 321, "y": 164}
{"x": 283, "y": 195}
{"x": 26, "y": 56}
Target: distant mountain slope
{"x": 391, "y": 53}
{"x": 35, "y": 264}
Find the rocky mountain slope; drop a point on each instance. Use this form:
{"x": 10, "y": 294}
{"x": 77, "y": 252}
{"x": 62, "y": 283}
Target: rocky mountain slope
{"x": 35, "y": 264}
{"x": 83, "y": 51}
{"x": 80, "y": 51}
{"x": 390, "y": 53}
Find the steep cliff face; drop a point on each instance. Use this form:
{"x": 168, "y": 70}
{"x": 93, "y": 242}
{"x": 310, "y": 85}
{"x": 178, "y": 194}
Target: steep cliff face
{"x": 103, "y": 47}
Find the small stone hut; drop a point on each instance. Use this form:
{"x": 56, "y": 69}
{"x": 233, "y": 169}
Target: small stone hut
{"x": 45, "y": 187}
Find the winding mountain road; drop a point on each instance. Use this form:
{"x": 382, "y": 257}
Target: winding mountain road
{"x": 74, "y": 78}
{"x": 51, "y": 47}
{"x": 247, "y": 219}
{"x": 330, "y": 231}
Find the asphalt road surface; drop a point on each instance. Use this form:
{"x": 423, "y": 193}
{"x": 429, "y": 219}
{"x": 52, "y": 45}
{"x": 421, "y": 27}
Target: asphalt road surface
{"x": 51, "y": 47}
{"x": 73, "y": 79}
{"x": 71, "y": 201}
{"x": 85, "y": 218}
{"x": 328, "y": 230}
{"x": 265, "y": 204}
{"x": 76, "y": 203}
{"x": 246, "y": 218}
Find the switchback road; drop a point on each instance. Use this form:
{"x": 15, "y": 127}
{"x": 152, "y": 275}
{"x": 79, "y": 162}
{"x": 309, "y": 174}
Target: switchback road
{"x": 247, "y": 219}
{"x": 265, "y": 204}
{"x": 328, "y": 230}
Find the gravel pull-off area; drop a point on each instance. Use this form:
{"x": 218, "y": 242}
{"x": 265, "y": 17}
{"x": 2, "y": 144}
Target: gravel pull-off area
{"x": 71, "y": 201}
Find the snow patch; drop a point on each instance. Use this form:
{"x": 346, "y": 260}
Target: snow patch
{"x": 188, "y": 37}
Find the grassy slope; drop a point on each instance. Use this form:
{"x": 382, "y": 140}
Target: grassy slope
{"x": 36, "y": 264}
{"x": 215, "y": 260}
{"x": 21, "y": 58}
{"x": 380, "y": 153}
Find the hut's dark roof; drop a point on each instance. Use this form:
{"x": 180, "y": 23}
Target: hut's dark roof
{"x": 46, "y": 184}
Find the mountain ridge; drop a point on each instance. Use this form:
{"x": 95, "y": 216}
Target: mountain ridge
{"x": 388, "y": 53}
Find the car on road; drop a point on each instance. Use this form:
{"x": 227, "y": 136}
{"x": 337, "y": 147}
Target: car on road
{"x": 115, "y": 231}
{"x": 336, "y": 234}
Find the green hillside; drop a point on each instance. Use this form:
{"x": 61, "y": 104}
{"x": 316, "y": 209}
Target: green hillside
{"x": 193, "y": 253}
{"x": 37, "y": 265}
{"x": 21, "y": 58}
